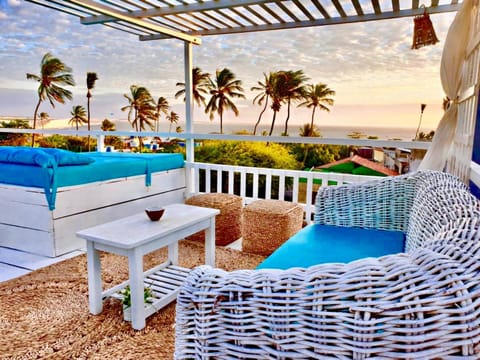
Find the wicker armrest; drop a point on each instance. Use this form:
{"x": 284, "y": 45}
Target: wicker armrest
{"x": 420, "y": 305}
{"x": 379, "y": 204}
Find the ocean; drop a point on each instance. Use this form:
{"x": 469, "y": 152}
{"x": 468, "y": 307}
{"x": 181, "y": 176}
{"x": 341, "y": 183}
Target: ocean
{"x": 327, "y": 131}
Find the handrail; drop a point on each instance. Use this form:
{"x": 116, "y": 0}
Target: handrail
{"x": 198, "y": 136}
{"x": 291, "y": 185}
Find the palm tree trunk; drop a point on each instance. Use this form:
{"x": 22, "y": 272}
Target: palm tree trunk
{"x": 35, "y": 120}
{"x": 311, "y": 122}
{"x": 221, "y": 123}
{"x": 260, "y": 117}
{"x": 88, "y": 122}
{"x": 305, "y": 155}
{"x": 273, "y": 123}
{"x": 285, "y": 132}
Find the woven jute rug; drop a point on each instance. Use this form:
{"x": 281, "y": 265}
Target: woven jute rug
{"x": 44, "y": 315}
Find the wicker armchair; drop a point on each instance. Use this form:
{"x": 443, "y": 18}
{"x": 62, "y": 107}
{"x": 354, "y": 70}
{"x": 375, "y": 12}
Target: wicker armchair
{"x": 421, "y": 304}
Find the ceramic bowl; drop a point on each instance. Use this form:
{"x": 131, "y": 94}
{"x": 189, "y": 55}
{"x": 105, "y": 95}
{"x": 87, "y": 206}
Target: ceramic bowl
{"x": 155, "y": 212}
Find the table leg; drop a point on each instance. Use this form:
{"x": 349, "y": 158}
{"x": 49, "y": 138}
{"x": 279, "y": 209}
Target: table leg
{"x": 94, "y": 271}
{"x": 210, "y": 243}
{"x": 135, "y": 266}
{"x": 173, "y": 253}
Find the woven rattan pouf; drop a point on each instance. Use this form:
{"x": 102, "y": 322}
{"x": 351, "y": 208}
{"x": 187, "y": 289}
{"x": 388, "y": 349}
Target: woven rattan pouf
{"x": 228, "y": 224}
{"x": 267, "y": 224}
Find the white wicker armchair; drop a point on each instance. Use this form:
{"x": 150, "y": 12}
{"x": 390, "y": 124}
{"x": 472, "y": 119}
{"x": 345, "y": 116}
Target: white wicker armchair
{"x": 423, "y": 304}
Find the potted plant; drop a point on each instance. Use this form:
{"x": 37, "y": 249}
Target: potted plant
{"x": 127, "y": 300}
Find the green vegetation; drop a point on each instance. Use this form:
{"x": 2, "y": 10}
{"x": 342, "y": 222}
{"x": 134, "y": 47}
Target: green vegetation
{"x": 254, "y": 154}
{"x": 72, "y": 143}
{"x": 14, "y": 139}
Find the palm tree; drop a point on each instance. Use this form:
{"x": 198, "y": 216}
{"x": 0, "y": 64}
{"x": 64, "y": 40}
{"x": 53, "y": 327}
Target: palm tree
{"x": 223, "y": 90}
{"x": 107, "y": 125}
{"x": 294, "y": 91}
{"x": 144, "y": 108}
{"x": 200, "y": 86}
{"x": 44, "y": 117}
{"x": 265, "y": 89}
{"x": 162, "y": 107}
{"x": 308, "y": 131}
{"x": 53, "y": 74}
{"x": 279, "y": 87}
{"x": 79, "y": 116}
{"x": 317, "y": 96}
{"x": 137, "y": 96}
{"x": 91, "y": 78}
{"x": 173, "y": 118}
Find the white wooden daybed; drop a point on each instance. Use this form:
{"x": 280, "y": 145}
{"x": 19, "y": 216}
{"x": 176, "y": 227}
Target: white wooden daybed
{"x": 44, "y": 220}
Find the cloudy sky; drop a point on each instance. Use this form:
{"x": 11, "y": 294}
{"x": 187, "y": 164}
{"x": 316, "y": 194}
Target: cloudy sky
{"x": 378, "y": 79}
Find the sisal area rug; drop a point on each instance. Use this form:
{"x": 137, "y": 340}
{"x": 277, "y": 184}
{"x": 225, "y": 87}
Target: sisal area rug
{"x": 44, "y": 315}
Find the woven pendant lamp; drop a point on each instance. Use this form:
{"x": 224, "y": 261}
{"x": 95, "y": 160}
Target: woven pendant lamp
{"x": 423, "y": 31}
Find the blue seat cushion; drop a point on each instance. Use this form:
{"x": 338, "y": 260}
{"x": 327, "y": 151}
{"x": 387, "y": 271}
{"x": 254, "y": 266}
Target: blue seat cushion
{"x": 318, "y": 244}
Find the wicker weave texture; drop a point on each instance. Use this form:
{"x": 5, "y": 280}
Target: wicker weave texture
{"x": 268, "y": 224}
{"x": 424, "y": 305}
{"x": 228, "y": 224}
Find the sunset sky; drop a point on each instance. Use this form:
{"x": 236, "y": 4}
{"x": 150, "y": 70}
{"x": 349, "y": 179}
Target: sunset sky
{"x": 378, "y": 79}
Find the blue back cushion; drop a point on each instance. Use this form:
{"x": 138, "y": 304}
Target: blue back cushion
{"x": 318, "y": 244}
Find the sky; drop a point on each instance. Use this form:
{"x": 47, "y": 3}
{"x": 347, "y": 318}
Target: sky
{"x": 378, "y": 79}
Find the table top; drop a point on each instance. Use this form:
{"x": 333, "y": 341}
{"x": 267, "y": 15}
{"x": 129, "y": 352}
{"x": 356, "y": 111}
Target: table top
{"x": 132, "y": 231}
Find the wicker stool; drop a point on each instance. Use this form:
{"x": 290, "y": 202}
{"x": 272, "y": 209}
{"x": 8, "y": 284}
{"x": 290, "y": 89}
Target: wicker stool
{"x": 228, "y": 224}
{"x": 267, "y": 224}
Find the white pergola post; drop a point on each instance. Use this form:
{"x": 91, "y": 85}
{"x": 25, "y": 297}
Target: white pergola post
{"x": 188, "y": 99}
{"x": 190, "y": 143}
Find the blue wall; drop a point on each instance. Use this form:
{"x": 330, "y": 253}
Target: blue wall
{"x": 476, "y": 151}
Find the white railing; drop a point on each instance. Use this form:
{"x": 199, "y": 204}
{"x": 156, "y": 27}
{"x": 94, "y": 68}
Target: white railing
{"x": 261, "y": 183}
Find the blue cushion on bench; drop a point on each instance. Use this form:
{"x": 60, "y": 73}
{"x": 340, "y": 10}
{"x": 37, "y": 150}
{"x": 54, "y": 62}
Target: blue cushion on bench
{"x": 318, "y": 244}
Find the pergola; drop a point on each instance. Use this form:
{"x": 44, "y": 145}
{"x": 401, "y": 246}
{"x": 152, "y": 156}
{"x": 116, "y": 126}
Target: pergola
{"x": 190, "y": 20}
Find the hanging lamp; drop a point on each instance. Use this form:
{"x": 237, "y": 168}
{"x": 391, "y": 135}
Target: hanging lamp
{"x": 423, "y": 31}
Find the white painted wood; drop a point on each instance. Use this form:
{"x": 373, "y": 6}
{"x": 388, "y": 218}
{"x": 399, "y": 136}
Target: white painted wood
{"x": 30, "y": 226}
{"x": 164, "y": 285}
{"x": 210, "y": 244}
{"x": 135, "y": 271}
{"x": 72, "y": 200}
{"x": 135, "y": 236}
{"x": 94, "y": 275}
{"x": 283, "y": 175}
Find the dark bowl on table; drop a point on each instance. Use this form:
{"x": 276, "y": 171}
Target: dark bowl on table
{"x": 155, "y": 212}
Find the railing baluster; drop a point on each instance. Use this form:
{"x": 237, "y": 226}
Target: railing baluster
{"x": 208, "y": 179}
{"x": 295, "y": 189}
{"x": 308, "y": 198}
{"x": 219, "y": 180}
{"x": 281, "y": 186}
{"x": 231, "y": 181}
{"x": 255, "y": 184}
{"x": 196, "y": 170}
{"x": 268, "y": 185}
{"x": 243, "y": 183}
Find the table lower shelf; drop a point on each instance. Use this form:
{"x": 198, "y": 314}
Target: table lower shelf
{"x": 164, "y": 283}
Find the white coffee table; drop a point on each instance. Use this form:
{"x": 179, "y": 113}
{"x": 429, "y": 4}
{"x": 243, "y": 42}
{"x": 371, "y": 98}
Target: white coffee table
{"x": 135, "y": 236}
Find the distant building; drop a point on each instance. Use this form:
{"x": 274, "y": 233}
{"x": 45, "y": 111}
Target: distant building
{"x": 397, "y": 159}
{"x": 358, "y": 165}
